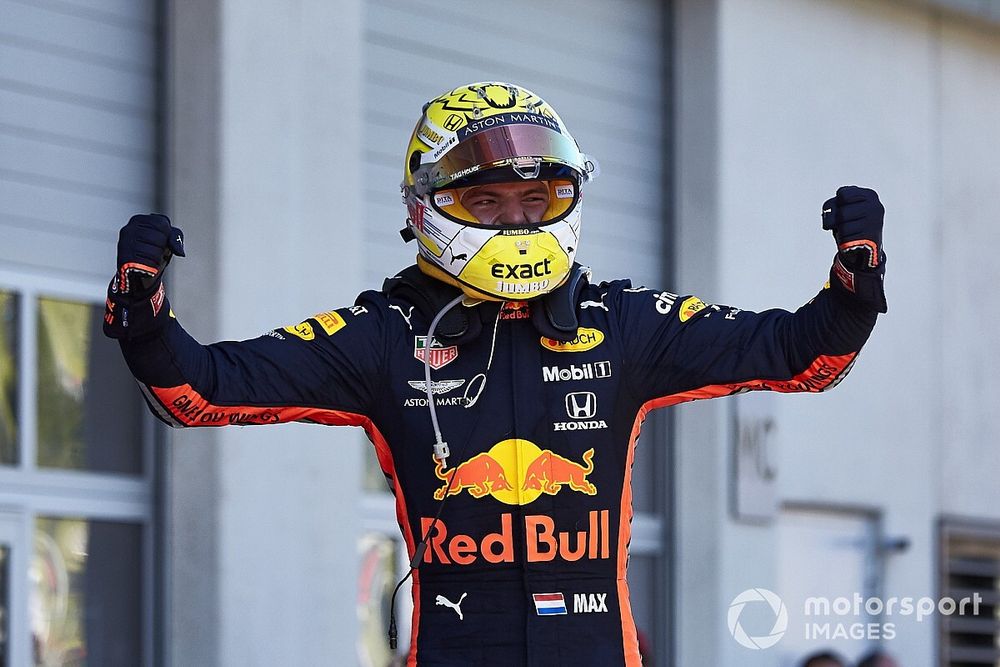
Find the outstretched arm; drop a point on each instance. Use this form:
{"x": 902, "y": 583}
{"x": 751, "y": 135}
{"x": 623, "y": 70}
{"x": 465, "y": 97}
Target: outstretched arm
{"x": 681, "y": 349}
{"x": 321, "y": 370}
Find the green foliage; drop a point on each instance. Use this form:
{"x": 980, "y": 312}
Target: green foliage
{"x": 8, "y": 378}
{"x": 62, "y": 365}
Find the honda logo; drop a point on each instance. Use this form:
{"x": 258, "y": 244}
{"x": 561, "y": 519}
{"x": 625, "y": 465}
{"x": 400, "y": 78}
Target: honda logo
{"x": 581, "y": 404}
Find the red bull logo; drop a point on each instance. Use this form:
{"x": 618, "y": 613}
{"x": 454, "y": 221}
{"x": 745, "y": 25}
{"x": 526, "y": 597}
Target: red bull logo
{"x": 481, "y": 475}
{"x": 550, "y": 472}
{"x": 543, "y": 541}
{"x": 516, "y": 472}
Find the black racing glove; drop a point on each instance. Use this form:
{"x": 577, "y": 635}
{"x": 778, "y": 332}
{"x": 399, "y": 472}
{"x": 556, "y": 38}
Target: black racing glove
{"x": 855, "y": 217}
{"x": 136, "y": 298}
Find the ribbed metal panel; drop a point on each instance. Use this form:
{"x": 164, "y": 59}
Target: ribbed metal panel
{"x": 599, "y": 64}
{"x": 78, "y": 129}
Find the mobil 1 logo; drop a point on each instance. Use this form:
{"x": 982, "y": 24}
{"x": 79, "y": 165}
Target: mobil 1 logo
{"x": 590, "y": 370}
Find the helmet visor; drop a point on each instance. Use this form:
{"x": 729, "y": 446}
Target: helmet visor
{"x": 479, "y": 205}
{"x": 500, "y": 146}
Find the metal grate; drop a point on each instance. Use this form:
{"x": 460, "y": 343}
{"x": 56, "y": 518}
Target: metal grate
{"x": 970, "y": 565}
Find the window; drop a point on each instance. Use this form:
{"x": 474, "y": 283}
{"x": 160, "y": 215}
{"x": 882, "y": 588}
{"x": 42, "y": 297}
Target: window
{"x": 8, "y": 378}
{"x": 969, "y": 566}
{"x": 89, "y": 412}
{"x": 4, "y": 603}
{"x": 85, "y": 592}
{"x": 380, "y": 555}
{"x": 824, "y": 552}
{"x": 75, "y": 453}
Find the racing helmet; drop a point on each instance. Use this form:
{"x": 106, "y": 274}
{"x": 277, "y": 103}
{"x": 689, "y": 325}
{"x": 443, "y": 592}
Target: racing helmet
{"x": 486, "y": 133}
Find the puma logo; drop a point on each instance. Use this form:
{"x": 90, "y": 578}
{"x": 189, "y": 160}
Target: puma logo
{"x": 457, "y": 606}
{"x": 406, "y": 316}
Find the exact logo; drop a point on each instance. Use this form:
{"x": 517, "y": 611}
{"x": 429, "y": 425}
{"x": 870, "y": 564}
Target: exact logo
{"x": 586, "y": 371}
{"x": 516, "y": 472}
{"x": 524, "y": 271}
{"x": 780, "y": 618}
{"x": 586, "y": 339}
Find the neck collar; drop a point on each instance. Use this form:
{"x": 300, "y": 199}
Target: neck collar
{"x": 429, "y": 289}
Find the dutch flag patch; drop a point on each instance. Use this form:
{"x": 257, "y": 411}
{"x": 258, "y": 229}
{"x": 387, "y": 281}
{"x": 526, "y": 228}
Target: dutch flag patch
{"x": 549, "y": 604}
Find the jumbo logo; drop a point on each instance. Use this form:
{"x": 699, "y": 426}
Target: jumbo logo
{"x": 586, "y": 339}
{"x": 516, "y": 472}
{"x": 431, "y": 135}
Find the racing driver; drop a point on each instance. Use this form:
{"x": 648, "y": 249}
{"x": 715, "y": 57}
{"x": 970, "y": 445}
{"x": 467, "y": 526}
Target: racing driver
{"x": 502, "y": 388}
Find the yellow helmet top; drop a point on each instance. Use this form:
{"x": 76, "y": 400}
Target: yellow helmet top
{"x": 493, "y": 132}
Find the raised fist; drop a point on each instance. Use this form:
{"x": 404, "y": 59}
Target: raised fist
{"x": 145, "y": 246}
{"x": 855, "y": 217}
{"x": 136, "y": 302}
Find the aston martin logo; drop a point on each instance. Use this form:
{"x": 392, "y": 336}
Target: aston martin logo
{"x": 437, "y": 386}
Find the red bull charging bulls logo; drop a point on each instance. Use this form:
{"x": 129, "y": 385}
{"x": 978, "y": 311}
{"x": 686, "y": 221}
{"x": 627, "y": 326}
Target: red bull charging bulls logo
{"x": 516, "y": 472}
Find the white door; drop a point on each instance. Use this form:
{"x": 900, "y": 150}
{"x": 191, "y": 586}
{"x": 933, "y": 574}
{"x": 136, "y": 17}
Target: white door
{"x": 829, "y": 555}
{"x": 14, "y": 639}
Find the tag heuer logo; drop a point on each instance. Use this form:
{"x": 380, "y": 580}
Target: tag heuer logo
{"x": 437, "y": 356}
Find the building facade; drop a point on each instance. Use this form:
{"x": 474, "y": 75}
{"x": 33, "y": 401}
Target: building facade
{"x": 273, "y": 133}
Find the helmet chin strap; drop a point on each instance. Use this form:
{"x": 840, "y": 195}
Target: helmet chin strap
{"x": 554, "y": 315}
{"x": 434, "y": 272}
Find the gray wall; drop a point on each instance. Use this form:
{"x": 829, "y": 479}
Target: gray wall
{"x": 796, "y": 99}
{"x": 601, "y": 71}
{"x": 78, "y": 131}
{"x": 263, "y": 528}
{"x": 772, "y": 117}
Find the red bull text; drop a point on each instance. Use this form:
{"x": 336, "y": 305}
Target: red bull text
{"x": 542, "y": 541}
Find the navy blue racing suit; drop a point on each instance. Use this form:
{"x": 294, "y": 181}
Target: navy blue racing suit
{"x": 527, "y": 565}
